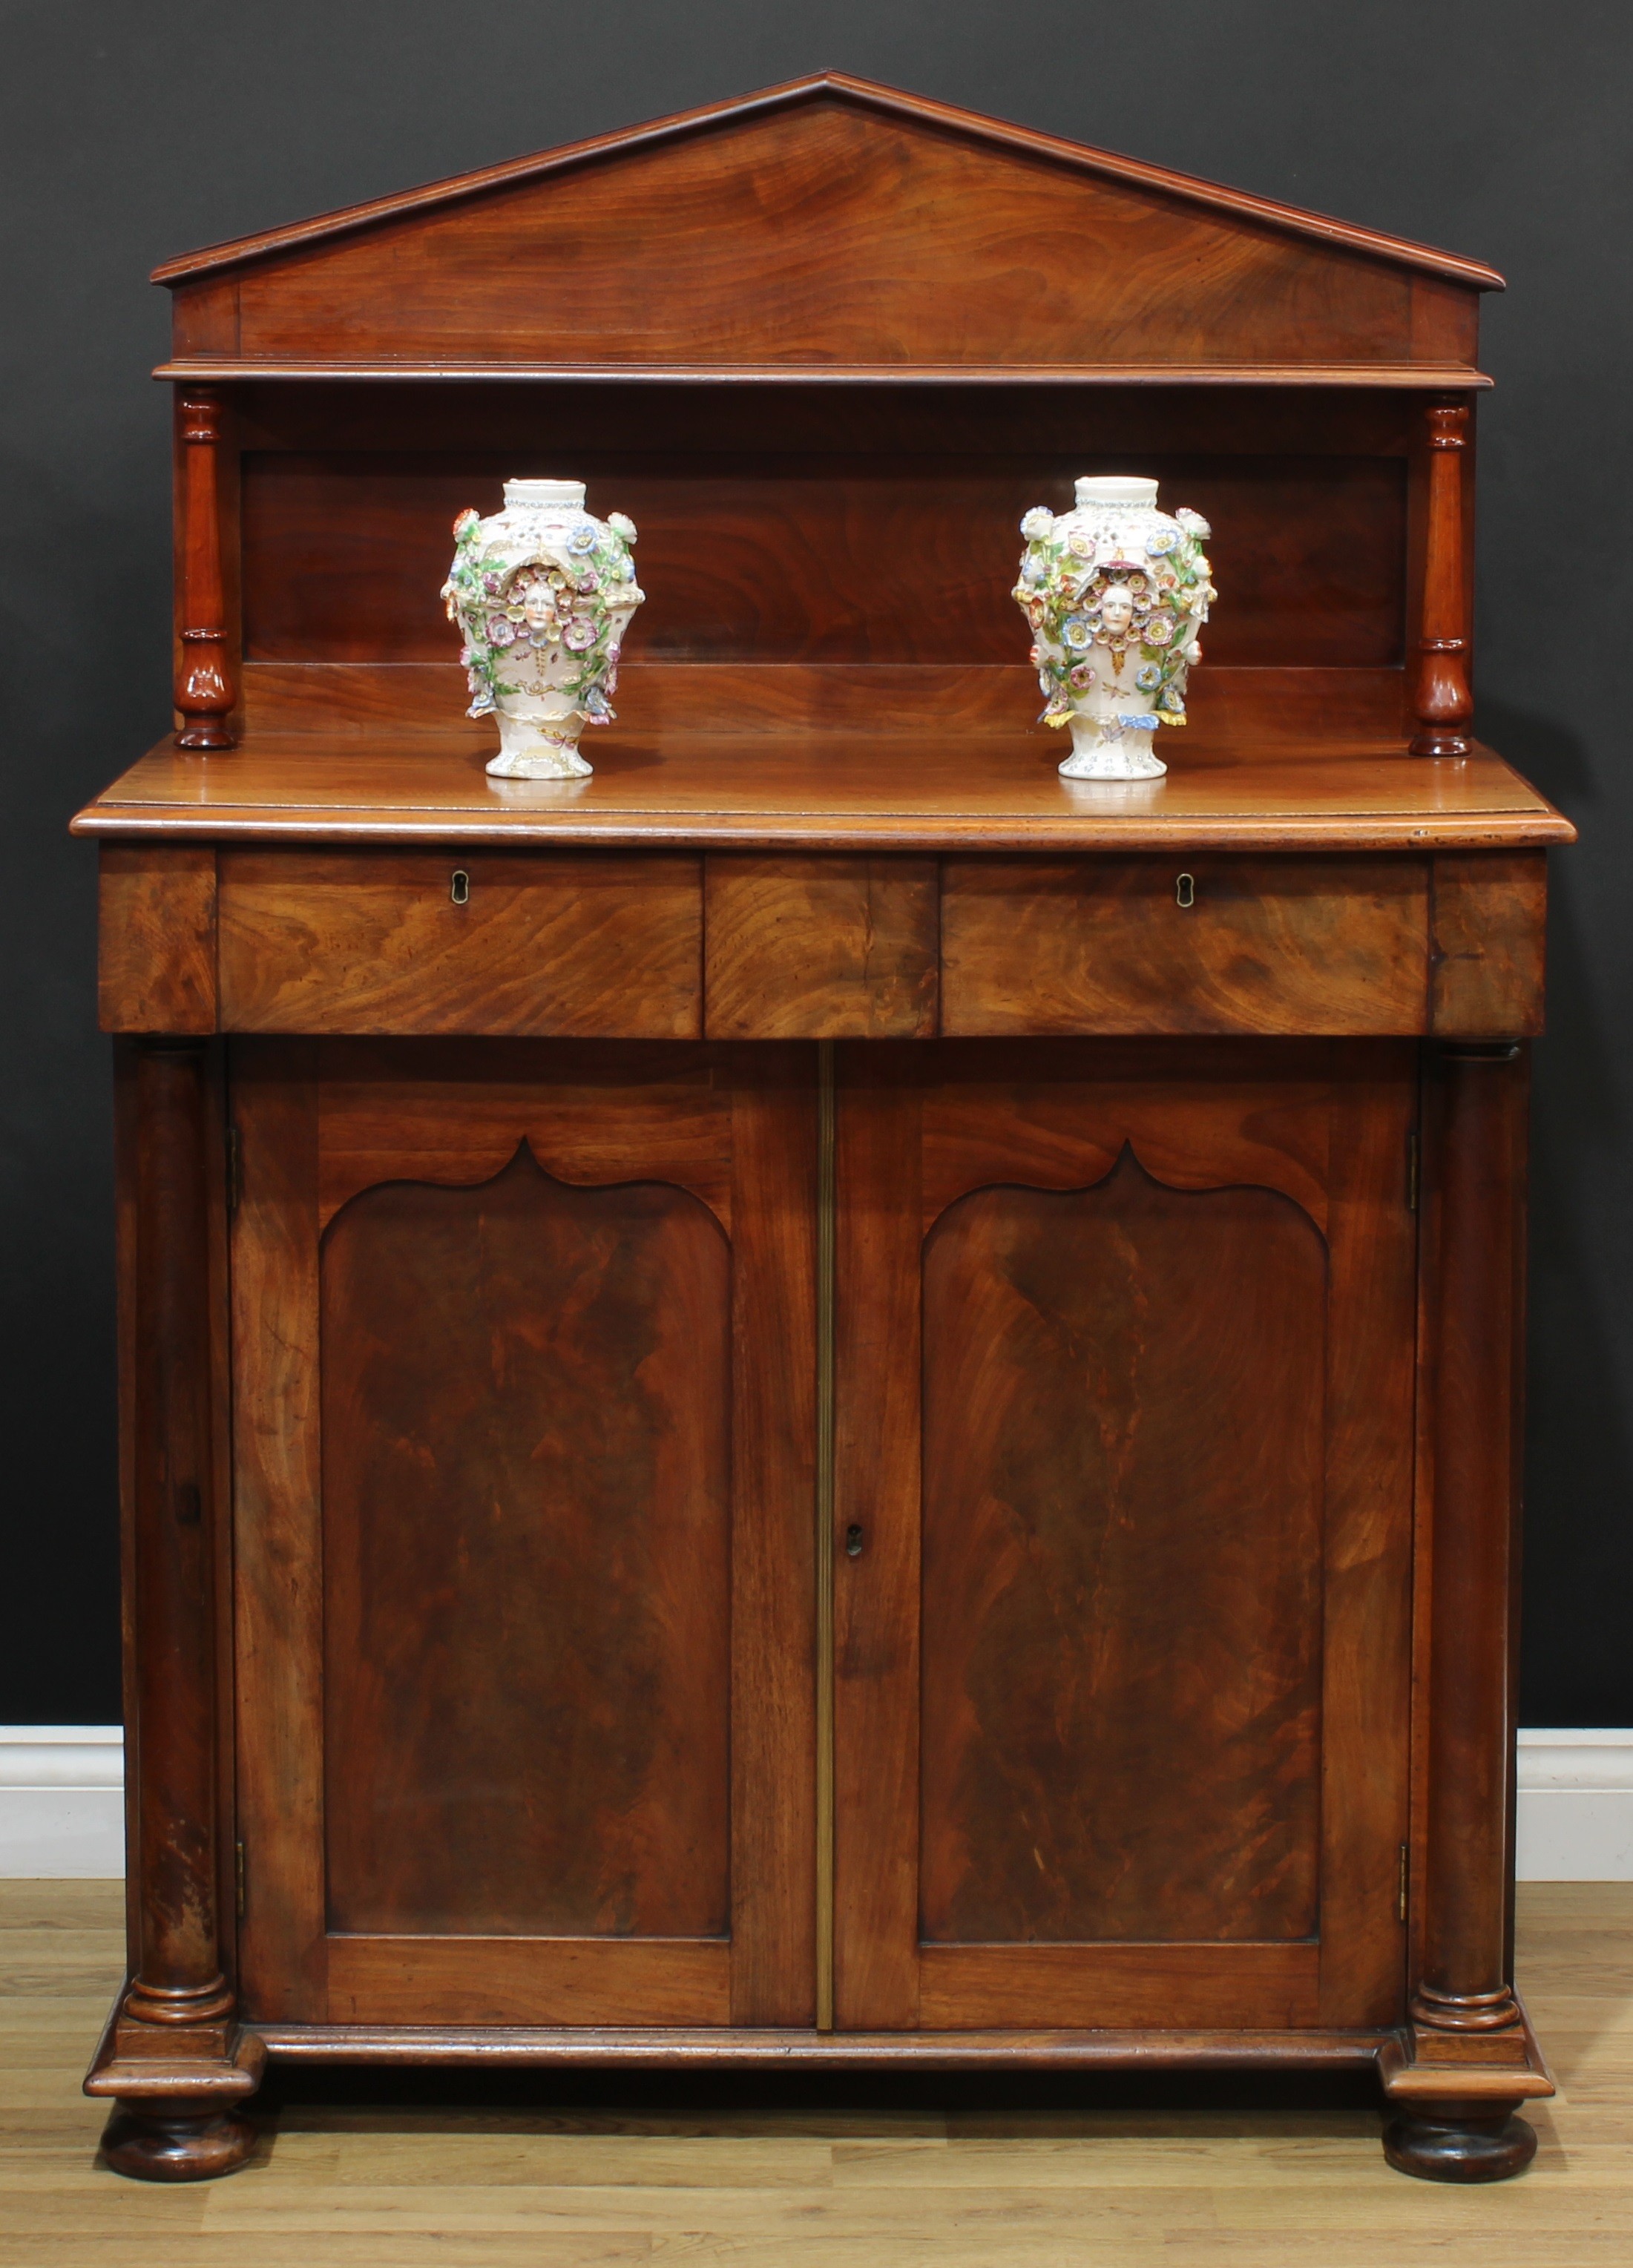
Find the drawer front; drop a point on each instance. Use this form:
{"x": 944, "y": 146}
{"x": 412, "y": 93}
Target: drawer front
{"x": 828, "y": 948}
{"x": 576, "y": 946}
{"x": 1198, "y": 944}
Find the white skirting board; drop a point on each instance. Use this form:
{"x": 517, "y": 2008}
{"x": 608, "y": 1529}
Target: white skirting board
{"x": 61, "y": 1803}
{"x": 1575, "y": 1822}
{"x": 62, "y": 1800}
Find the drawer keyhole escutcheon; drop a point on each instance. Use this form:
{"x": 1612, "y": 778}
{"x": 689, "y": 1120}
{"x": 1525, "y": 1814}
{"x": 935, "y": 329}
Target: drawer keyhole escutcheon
{"x": 460, "y": 887}
{"x": 1185, "y": 890}
{"x": 853, "y": 1540}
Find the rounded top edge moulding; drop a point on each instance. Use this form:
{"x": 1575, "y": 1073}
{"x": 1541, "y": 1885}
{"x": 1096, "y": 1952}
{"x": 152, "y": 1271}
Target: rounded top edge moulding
{"x": 1116, "y": 488}
{"x": 568, "y": 493}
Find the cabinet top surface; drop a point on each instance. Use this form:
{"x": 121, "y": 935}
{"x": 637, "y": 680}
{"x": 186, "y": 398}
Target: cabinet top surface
{"x": 925, "y": 790}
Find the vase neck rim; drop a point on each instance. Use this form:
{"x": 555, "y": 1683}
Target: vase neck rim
{"x": 564, "y": 495}
{"x": 1117, "y": 488}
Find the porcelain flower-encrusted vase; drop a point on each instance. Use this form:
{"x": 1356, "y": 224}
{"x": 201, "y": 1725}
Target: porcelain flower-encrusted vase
{"x": 543, "y": 593}
{"x": 1115, "y": 592}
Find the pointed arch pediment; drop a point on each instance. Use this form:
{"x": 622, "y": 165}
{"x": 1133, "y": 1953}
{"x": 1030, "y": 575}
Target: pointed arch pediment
{"x": 828, "y": 227}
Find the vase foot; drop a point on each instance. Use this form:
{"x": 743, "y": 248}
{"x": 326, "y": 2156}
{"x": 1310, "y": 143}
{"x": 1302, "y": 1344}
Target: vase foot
{"x": 1112, "y": 765}
{"x": 1116, "y": 754}
{"x": 155, "y": 2142}
{"x": 551, "y": 763}
{"x": 1457, "y": 2142}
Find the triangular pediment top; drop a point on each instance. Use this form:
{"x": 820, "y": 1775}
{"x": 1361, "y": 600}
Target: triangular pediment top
{"x": 1250, "y": 213}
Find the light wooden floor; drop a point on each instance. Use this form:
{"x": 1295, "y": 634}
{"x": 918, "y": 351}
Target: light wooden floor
{"x": 961, "y": 2177}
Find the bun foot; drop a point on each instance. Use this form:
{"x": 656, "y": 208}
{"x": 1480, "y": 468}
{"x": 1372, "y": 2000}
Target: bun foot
{"x": 153, "y": 2142}
{"x": 1452, "y": 2142}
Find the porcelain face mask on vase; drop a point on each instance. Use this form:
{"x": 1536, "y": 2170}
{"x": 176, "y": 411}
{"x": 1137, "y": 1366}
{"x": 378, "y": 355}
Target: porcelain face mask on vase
{"x": 543, "y": 594}
{"x": 1115, "y": 592}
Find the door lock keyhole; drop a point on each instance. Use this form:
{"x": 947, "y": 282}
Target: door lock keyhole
{"x": 853, "y": 1540}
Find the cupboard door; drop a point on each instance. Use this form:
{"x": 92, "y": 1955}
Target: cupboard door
{"x": 524, "y": 1503}
{"x": 1125, "y": 1368}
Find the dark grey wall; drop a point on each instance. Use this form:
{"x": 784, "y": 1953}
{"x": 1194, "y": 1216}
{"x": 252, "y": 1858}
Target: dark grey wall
{"x": 130, "y": 132}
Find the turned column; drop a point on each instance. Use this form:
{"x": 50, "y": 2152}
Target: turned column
{"x": 1463, "y": 1986}
{"x": 1470, "y": 2065}
{"x": 175, "y": 2061}
{"x": 1441, "y": 698}
{"x": 205, "y": 693}
{"x": 178, "y": 1977}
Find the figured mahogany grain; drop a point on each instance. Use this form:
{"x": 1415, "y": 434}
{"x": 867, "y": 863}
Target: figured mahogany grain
{"x": 524, "y": 1413}
{"x": 191, "y": 269}
{"x": 178, "y": 1979}
{"x": 1475, "y": 1256}
{"x": 830, "y": 229}
{"x": 1116, "y": 1984}
{"x": 526, "y": 1484}
{"x": 791, "y": 557}
{"x": 1124, "y": 1415}
{"x": 982, "y": 1800}
{"x": 489, "y": 1513}
{"x": 1371, "y": 1386}
{"x": 820, "y": 949}
{"x": 1107, "y": 946}
{"x": 278, "y": 1585}
{"x": 877, "y": 1455}
{"x": 156, "y": 939}
{"x": 454, "y": 1110}
{"x": 205, "y": 316}
{"x": 773, "y": 1537}
{"x": 1314, "y": 713}
{"x": 529, "y": 1980}
{"x": 1489, "y": 922}
{"x": 810, "y": 786}
{"x": 560, "y": 947}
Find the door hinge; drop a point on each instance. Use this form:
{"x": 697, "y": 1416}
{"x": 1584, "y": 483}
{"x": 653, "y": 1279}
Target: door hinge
{"x": 238, "y": 1879}
{"x": 1411, "y": 1171}
{"x": 235, "y": 1174}
{"x": 1406, "y": 1873}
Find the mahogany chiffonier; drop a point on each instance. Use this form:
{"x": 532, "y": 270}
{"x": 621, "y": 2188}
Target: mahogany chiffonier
{"x": 824, "y": 1400}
